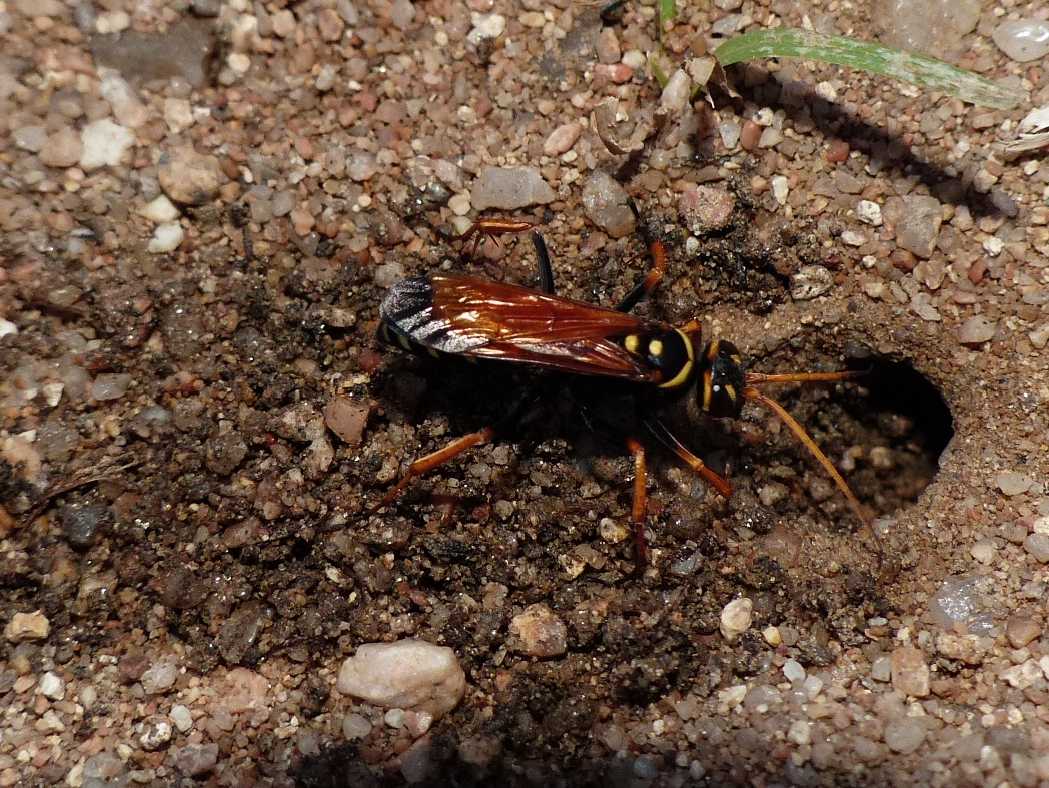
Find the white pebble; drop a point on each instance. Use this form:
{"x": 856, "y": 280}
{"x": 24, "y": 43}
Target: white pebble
{"x": 780, "y": 189}
{"x": 52, "y": 686}
{"x": 408, "y": 674}
{"x": 166, "y": 238}
{"x": 182, "y": 718}
{"x": 485, "y": 26}
{"x": 1023, "y": 40}
{"x": 354, "y": 726}
{"x": 869, "y": 212}
{"x": 735, "y": 618}
{"x": 7, "y": 327}
{"x": 104, "y": 144}
{"x": 676, "y": 94}
{"x": 800, "y": 732}
{"x": 160, "y": 210}
{"x": 793, "y": 670}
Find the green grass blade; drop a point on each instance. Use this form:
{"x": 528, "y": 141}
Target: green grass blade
{"x": 926, "y": 72}
{"x": 667, "y": 11}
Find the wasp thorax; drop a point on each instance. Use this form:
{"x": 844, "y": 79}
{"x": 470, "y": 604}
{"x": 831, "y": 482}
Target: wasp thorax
{"x": 721, "y": 380}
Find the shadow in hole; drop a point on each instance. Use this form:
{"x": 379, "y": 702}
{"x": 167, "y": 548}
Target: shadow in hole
{"x": 876, "y": 142}
{"x": 897, "y": 387}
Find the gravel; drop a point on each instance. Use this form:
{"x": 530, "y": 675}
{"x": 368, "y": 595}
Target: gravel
{"x": 221, "y": 410}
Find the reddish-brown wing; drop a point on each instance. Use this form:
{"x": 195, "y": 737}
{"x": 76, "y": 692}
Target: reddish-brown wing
{"x": 487, "y": 319}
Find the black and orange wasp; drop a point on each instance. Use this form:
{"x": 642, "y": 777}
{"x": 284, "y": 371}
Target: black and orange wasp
{"x": 482, "y": 319}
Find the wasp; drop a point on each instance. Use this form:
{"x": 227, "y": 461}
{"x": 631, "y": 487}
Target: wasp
{"x": 484, "y": 320}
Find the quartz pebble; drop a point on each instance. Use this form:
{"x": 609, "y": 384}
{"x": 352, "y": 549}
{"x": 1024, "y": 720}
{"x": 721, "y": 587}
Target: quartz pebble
{"x": 52, "y": 686}
{"x": 910, "y": 674}
{"x": 166, "y": 238}
{"x": 538, "y": 632}
{"x": 195, "y": 760}
{"x": 62, "y": 149}
{"x": 407, "y": 674}
{"x": 189, "y": 177}
{"x": 1038, "y": 546}
{"x": 354, "y": 726}
{"x": 103, "y": 144}
{"x": 160, "y": 210}
{"x": 1023, "y": 40}
{"x": 605, "y": 204}
{"x": 793, "y": 671}
{"x": 181, "y": 716}
{"x": 919, "y": 224}
{"x": 736, "y": 617}
{"x": 159, "y": 677}
{"x": 1012, "y": 483}
{"x": 976, "y": 330}
{"x": 706, "y": 209}
{"x": 905, "y": 735}
{"x": 509, "y": 188}
{"x": 562, "y": 139}
{"x": 27, "y": 626}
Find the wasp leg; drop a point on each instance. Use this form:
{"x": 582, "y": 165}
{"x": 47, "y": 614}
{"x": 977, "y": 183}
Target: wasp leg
{"x": 640, "y": 507}
{"x": 752, "y": 394}
{"x": 758, "y": 378}
{"x": 488, "y": 227}
{"x": 666, "y": 437}
{"x": 455, "y": 448}
{"x": 657, "y": 253}
{"x": 546, "y": 271}
{"x": 433, "y": 460}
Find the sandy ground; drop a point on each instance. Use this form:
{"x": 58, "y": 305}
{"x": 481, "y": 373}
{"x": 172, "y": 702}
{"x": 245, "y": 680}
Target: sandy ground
{"x": 202, "y": 206}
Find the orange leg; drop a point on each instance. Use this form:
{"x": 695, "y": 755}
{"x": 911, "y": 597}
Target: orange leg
{"x": 858, "y": 509}
{"x": 666, "y": 437}
{"x": 658, "y": 255}
{"x": 639, "y": 509}
{"x": 433, "y": 460}
{"x": 491, "y": 228}
{"x": 758, "y": 378}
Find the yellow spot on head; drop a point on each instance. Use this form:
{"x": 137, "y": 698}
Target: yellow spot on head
{"x": 631, "y": 343}
{"x": 731, "y": 390}
{"x": 712, "y": 351}
{"x": 655, "y": 347}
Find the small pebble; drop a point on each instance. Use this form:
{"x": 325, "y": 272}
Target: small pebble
{"x": 538, "y": 632}
{"x": 976, "y": 330}
{"x": 52, "y": 686}
{"x": 780, "y": 189}
{"x": 905, "y": 735}
{"x": 1038, "y": 546}
{"x": 181, "y": 716}
{"x": 103, "y": 144}
{"x": 919, "y": 225}
{"x": 189, "y": 177}
{"x": 160, "y": 210}
{"x": 154, "y": 733}
{"x": 195, "y": 760}
{"x": 354, "y": 726}
{"x": 509, "y": 188}
{"x": 800, "y": 732}
{"x": 31, "y": 626}
{"x": 706, "y": 209}
{"x": 676, "y": 94}
{"x": 1021, "y": 629}
{"x": 166, "y": 238}
{"x": 159, "y": 677}
{"x": 562, "y": 139}
{"x": 983, "y": 551}
{"x": 1012, "y": 483}
{"x": 910, "y": 673}
{"x": 810, "y": 282}
{"x": 1023, "y": 40}
{"x": 62, "y": 149}
{"x": 406, "y": 674}
{"x": 869, "y": 212}
{"x": 605, "y": 204}
{"x": 346, "y": 418}
{"x": 881, "y": 670}
{"x": 793, "y": 671}
{"x": 485, "y": 26}
{"x": 735, "y": 618}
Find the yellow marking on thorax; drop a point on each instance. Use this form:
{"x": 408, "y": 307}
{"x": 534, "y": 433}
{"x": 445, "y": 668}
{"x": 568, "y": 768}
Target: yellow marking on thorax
{"x": 631, "y": 343}
{"x": 655, "y": 347}
{"x": 685, "y": 373}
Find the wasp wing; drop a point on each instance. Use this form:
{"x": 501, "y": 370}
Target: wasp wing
{"x": 481, "y": 318}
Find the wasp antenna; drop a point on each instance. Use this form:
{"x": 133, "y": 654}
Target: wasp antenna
{"x": 758, "y": 378}
{"x": 754, "y": 395}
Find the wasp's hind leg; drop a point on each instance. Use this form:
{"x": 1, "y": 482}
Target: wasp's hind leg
{"x": 639, "y": 509}
{"x": 658, "y": 255}
{"x": 546, "y": 271}
{"x": 459, "y": 446}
